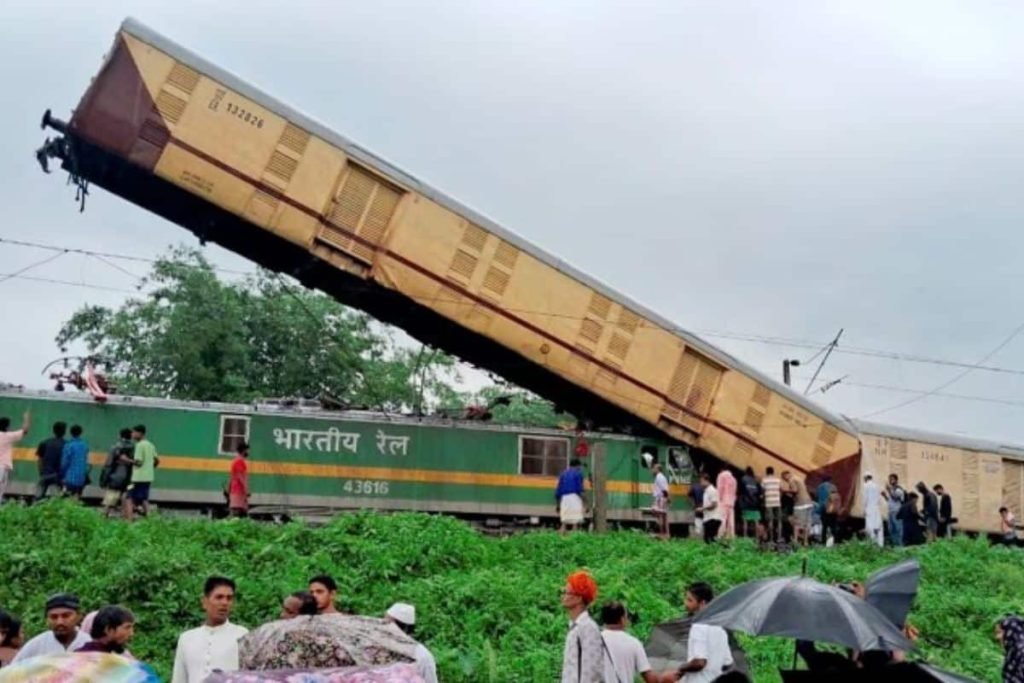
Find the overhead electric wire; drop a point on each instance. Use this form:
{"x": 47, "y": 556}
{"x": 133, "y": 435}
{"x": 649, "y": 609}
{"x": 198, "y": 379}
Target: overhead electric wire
{"x": 953, "y": 380}
{"x": 108, "y": 257}
{"x": 67, "y": 283}
{"x": 101, "y": 254}
{"x": 824, "y": 382}
{"x": 818, "y": 346}
{"x": 19, "y": 273}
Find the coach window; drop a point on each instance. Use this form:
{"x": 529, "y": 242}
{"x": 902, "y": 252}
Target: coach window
{"x": 543, "y": 456}
{"x": 234, "y": 430}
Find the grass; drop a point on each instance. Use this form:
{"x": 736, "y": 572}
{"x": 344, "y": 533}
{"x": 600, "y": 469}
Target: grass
{"x": 488, "y": 608}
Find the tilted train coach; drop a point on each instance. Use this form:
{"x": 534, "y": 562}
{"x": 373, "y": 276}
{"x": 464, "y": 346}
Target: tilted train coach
{"x": 324, "y": 461}
{"x": 189, "y": 141}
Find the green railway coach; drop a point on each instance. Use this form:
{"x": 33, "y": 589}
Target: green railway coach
{"x": 309, "y": 458}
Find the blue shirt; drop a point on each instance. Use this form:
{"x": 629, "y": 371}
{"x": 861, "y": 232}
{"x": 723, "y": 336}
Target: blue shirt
{"x": 570, "y": 481}
{"x": 74, "y": 462}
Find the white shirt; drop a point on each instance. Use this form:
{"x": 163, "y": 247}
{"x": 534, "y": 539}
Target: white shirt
{"x": 426, "y": 667}
{"x": 628, "y": 656}
{"x": 47, "y": 644}
{"x": 872, "y": 501}
{"x": 711, "y": 498}
{"x": 711, "y": 644}
{"x": 660, "y": 485}
{"x": 206, "y": 649}
{"x": 583, "y": 659}
{"x": 7, "y": 441}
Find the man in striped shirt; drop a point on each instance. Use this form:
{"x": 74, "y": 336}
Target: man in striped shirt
{"x": 772, "y": 487}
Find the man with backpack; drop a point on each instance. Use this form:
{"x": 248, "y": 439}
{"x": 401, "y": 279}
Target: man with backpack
{"x": 750, "y": 503}
{"x": 117, "y": 471}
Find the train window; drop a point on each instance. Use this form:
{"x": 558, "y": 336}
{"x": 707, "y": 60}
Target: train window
{"x": 648, "y": 455}
{"x": 234, "y": 430}
{"x": 543, "y": 456}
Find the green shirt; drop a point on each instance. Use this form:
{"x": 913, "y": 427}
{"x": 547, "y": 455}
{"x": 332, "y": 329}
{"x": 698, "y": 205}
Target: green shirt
{"x": 145, "y": 462}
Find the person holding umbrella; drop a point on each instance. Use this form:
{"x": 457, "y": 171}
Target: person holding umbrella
{"x": 1010, "y": 634}
{"x": 707, "y": 646}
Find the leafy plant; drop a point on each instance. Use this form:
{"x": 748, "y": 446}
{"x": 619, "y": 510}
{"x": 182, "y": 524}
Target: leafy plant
{"x": 488, "y": 608}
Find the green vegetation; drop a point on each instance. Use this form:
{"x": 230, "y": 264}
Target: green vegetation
{"x": 192, "y": 335}
{"x": 488, "y": 607}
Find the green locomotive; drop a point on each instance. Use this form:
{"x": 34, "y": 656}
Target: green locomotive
{"x": 306, "y": 458}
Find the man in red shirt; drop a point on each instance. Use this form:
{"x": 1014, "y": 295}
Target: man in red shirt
{"x": 238, "y": 488}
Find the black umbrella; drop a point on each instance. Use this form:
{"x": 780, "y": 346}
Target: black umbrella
{"x": 666, "y": 647}
{"x": 910, "y": 672}
{"x": 893, "y": 589}
{"x": 802, "y": 608}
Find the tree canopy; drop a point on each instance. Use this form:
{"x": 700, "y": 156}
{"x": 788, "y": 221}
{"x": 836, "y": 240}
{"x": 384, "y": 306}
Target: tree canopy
{"x": 191, "y": 335}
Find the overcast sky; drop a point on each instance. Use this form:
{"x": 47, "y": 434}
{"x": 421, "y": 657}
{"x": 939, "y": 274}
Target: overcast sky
{"x": 778, "y": 169}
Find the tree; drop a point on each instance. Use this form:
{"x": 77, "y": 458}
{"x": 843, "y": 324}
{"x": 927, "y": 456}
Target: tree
{"x": 519, "y": 407}
{"x": 193, "y": 336}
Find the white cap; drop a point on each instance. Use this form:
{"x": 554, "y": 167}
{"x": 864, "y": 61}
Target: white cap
{"x": 403, "y": 612}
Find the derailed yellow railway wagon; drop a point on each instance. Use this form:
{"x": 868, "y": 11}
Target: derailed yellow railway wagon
{"x": 181, "y": 137}
{"x": 979, "y": 475}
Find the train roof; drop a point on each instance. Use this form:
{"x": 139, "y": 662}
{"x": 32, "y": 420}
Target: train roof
{"x": 269, "y": 408}
{"x": 182, "y": 54}
{"x": 953, "y": 440}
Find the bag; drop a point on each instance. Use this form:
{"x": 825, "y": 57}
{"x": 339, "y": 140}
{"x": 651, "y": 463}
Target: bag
{"x": 105, "y": 475}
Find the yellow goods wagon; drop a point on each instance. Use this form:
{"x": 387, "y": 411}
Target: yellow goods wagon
{"x": 181, "y": 137}
{"x": 980, "y": 476}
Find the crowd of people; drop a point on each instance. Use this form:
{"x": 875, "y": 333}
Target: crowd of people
{"x": 780, "y": 509}
{"x": 592, "y": 652}
{"x": 211, "y": 647}
{"x": 126, "y": 476}
{"x": 609, "y": 654}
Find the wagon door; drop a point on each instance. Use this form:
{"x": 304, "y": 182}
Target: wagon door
{"x": 1013, "y": 485}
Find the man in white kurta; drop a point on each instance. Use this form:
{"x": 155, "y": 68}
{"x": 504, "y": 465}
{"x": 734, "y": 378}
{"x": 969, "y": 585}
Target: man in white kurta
{"x": 871, "y": 498}
{"x": 403, "y": 617}
{"x": 62, "y": 634}
{"x": 214, "y": 645}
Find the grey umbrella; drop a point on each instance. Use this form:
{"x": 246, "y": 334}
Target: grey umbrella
{"x": 799, "y": 607}
{"x": 893, "y": 589}
{"x": 911, "y": 672}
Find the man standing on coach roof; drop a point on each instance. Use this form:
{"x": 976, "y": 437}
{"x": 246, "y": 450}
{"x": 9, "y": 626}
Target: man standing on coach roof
{"x": 214, "y": 645}
{"x": 145, "y": 461}
{"x": 7, "y": 441}
{"x": 62, "y": 616}
{"x": 50, "y": 453}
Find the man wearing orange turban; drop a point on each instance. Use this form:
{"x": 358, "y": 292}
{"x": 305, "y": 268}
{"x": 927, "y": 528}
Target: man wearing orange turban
{"x": 582, "y": 661}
